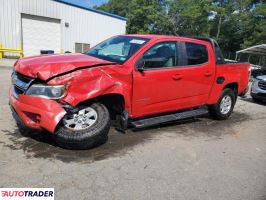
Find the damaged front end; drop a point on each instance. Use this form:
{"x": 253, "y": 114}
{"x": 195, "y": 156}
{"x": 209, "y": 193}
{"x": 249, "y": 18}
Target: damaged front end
{"x": 42, "y": 104}
{"x": 33, "y": 104}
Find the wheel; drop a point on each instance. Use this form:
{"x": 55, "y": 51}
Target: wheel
{"x": 225, "y": 105}
{"x": 85, "y": 129}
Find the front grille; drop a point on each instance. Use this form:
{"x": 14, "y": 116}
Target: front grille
{"x": 20, "y": 83}
{"x": 24, "y": 78}
{"x": 262, "y": 85}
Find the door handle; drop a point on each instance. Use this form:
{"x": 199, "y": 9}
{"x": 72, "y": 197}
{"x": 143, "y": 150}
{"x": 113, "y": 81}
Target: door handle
{"x": 177, "y": 77}
{"x": 207, "y": 74}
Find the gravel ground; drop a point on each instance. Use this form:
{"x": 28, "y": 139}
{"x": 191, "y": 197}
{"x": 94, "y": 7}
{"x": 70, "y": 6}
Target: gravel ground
{"x": 192, "y": 159}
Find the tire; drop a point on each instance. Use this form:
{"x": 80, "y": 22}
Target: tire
{"x": 86, "y": 138}
{"x": 25, "y": 131}
{"x": 216, "y": 109}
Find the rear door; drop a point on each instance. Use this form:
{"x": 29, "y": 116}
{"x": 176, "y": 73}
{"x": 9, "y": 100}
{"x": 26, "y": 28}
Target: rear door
{"x": 197, "y": 71}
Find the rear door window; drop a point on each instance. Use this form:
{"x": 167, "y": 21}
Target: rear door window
{"x": 195, "y": 54}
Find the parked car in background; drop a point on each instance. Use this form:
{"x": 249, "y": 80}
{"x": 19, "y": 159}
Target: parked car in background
{"x": 136, "y": 80}
{"x": 258, "y": 87}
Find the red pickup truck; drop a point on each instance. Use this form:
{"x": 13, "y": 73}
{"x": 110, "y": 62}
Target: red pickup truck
{"x": 135, "y": 80}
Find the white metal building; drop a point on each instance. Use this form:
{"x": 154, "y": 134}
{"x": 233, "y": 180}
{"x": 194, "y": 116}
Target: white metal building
{"x": 57, "y": 25}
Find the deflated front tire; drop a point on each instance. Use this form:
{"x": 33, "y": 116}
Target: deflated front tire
{"x": 85, "y": 129}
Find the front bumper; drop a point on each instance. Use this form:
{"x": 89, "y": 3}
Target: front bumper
{"x": 36, "y": 112}
{"x": 261, "y": 96}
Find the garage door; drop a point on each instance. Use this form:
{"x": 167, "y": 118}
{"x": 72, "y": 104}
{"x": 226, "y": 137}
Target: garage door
{"x": 40, "y": 33}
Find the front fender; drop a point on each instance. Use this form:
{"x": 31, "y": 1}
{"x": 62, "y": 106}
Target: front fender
{"x": 89, "y": 84}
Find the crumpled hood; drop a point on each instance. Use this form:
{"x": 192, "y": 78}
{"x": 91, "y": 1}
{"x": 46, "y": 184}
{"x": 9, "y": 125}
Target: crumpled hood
{"x": 263, "y": 77}
{"x": 47, "y": 66}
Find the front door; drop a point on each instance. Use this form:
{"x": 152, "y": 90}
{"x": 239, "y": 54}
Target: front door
{"x": 156, "y": 89}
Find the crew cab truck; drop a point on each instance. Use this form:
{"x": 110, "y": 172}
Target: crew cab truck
{"x": 136, "y": 80}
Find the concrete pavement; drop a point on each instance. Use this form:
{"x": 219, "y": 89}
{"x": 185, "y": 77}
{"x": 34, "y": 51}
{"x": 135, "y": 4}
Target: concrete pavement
{"x": 193, "y": 159}
{"x": 7, "y": 63}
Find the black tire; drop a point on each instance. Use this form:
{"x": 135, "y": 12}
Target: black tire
{"x": 215, "y": 110}
{"x": 25, "y": 131}
{"x": 88, "y": 138}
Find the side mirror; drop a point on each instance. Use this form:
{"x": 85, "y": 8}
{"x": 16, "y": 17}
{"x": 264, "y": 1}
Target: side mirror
{"x": 140, "y": 65}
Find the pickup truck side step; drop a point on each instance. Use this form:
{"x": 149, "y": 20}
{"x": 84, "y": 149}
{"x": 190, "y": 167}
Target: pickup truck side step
{"x": 170, "y": 117}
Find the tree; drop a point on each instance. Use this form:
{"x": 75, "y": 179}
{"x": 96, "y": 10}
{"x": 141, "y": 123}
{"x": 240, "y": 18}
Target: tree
{"x": 146, "y": 16}
{"x": 117, "y": 7}
{"x": 189, "y": 17}
{"x": 143, "y": 16}
{"x": 238, "y": 21}
{"x": 258, "y": 33}
{"x": 235, "y": 24}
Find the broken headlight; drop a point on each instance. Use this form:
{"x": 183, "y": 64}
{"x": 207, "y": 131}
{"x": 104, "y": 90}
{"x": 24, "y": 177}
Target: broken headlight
{"x": 47, "y": 91}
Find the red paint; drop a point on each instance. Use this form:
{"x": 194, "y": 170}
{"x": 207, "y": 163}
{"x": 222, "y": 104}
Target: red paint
{"x": 145, "y": 93}
{"x": 48, "y": 112}
{"x": 46, "y": 66}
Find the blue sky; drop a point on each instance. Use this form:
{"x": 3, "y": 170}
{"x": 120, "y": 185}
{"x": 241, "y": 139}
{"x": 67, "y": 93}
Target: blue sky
{"x": 87, "y": 3}
{"x": 92, "y": 3}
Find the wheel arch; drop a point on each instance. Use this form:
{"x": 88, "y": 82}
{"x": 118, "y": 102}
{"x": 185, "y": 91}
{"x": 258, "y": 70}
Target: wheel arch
{"x": 114, "y": 102}
{"x": 233, "y": 86}
{"x": 218, "y": 89}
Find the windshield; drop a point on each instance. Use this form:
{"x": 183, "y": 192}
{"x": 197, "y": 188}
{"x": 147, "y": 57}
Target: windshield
{"x": 117, "y": 49}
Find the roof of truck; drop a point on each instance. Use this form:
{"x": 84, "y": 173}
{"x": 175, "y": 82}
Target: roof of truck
{"x": 150, "y": 36}
{"x": 153, "y": 36}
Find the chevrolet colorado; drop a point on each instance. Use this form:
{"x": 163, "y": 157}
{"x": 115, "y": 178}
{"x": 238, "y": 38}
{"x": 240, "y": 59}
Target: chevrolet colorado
{"x": 135, "y": 80}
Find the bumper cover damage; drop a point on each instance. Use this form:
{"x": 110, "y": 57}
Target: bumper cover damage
{"x": 36, "y": 112}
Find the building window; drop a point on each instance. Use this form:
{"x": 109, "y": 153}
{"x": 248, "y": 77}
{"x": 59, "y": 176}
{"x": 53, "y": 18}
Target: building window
{"x": 81, "y": 47}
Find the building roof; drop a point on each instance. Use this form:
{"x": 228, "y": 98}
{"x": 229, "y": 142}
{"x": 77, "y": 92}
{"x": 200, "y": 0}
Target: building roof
{"x": 83, "y": 6}
{"x": 257, "y": 50}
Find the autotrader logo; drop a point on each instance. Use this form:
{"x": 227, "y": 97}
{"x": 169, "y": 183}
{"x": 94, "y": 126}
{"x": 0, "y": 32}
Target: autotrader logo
{"x": 27, "y": 193}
